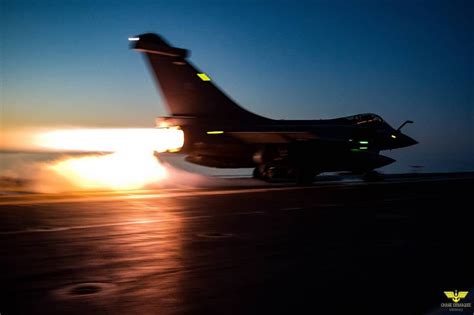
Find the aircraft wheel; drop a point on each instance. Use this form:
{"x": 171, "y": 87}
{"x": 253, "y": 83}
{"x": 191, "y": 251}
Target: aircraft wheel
{"x": 261, "y": 172}
{"x": 256, "y": 173}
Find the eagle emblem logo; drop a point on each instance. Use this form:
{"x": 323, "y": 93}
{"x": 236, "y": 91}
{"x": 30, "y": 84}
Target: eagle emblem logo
{"x": 456, "y": 296}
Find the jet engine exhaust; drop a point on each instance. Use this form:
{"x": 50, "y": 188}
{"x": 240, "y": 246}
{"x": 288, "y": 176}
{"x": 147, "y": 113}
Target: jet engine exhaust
{"x": 104, "y": 159}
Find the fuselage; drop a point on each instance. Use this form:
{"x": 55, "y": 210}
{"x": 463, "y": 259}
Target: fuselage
{"x": 347, "y": 143}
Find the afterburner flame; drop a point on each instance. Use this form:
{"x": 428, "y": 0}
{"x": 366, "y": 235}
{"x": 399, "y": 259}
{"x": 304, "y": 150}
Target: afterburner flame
{"x": 112, "y": 140}
{"x": 121, "y": 171}
{"x": 130, "y": 165}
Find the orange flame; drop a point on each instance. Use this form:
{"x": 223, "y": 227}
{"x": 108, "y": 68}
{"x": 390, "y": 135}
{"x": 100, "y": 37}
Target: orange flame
{"x": 112, "y": 140}
{"x": 132, "y": 164}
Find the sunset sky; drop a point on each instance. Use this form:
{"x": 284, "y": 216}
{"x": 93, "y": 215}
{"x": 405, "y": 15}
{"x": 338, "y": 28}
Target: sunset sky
{"x": 67, "y": 63}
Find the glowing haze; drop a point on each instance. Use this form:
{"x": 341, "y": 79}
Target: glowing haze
{"x": 118, "y": 171}
{"x": 132, "y": 165}
{"x": 130, "y": 161}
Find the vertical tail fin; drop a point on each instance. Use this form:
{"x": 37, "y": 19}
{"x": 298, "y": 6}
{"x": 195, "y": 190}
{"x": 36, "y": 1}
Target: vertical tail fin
{"x": 187, "y": 91}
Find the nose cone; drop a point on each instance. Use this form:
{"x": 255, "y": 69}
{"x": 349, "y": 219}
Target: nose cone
{"x": 404, "y": 140}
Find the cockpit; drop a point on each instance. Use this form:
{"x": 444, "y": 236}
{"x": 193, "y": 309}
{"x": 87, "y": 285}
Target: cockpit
{"x": 364, "y": 119}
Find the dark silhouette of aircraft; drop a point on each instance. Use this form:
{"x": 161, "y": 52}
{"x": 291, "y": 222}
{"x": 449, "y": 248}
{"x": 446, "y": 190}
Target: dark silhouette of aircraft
{"x": 219, "y": 133}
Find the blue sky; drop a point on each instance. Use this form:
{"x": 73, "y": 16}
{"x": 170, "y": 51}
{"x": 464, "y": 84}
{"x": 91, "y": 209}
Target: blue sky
{"x": 68, "y": 63}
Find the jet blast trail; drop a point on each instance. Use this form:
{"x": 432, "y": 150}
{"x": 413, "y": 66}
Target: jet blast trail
{"x": 112, "y": 140}
{"x": 129, "y": 163}
{"x": 131, "y": 166}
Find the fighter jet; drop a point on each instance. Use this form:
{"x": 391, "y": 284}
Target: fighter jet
{"x": 219, "y": 133}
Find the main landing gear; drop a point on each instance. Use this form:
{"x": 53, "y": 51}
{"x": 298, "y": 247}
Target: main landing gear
{"x": 303, "y": 176}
